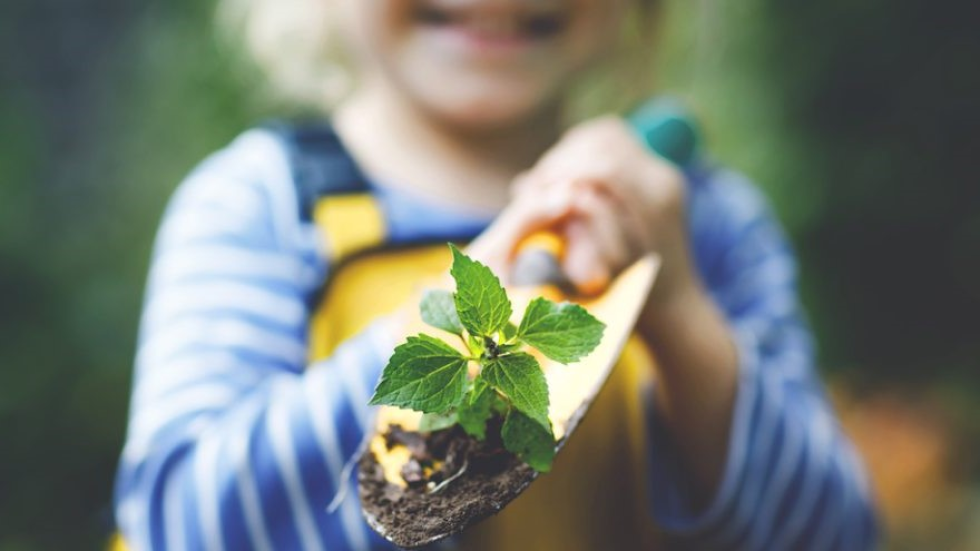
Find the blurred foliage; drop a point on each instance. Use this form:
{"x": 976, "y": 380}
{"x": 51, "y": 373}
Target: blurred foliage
{"x": 856, "y": 118}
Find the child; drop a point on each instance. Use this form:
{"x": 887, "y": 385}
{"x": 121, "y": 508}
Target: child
{"x": 455, "y": 120}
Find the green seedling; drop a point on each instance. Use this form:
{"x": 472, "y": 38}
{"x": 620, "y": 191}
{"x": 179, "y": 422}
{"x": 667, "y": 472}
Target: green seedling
{"x": 428, "y": 375}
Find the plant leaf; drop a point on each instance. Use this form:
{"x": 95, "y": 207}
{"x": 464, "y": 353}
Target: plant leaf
{"x": 519, "y": 377}
{"x": 438, "y": 309}
{"x": 509, "y": 331}
{"x": 424, "y": 374}
{"x": 431, "y": 422}
{"x": 481, "y": 302}
{"x": 508, "y": 348}
{"x": 527, "y": 439}
{"x": 564, "y": 332}
{"x": 475, "y": 410}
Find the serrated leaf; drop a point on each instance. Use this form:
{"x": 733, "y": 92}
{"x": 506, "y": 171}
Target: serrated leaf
{"x": 423, "y": 374}
{"x": 564, "y": 332}
{"x": 508, "y": 348}
{"x": 438, "y": 309}
{"x": 509, "y": 331}
{"x": 475, "y": 410}
{"x": 519, "y": 377}
{"x": 481, "y": 302}
{"x": 499, "y": 404}
{"x": 475, "y": 345}
{"x": 527, "y": 439}
{"x": 431, "y": 422}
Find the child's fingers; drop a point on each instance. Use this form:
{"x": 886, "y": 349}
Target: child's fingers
{"x": 599, "y": 245}
{"x": 523, "y": 182}
{"x": 605, "y": 218}
{"x": 537, "y": 207}
{"x": 584, "y": 264}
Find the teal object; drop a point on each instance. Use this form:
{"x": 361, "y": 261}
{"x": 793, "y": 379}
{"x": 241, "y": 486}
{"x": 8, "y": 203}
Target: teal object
{"x": 667, "y": 128}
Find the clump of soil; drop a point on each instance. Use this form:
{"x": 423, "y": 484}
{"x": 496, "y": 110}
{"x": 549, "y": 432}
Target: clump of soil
{"x": 453, "y": 481}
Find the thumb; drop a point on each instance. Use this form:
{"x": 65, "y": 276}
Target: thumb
{"x": 535, "y": 210}
{"x": 584, "y": 264}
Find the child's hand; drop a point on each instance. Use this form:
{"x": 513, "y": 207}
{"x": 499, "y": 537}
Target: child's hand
{"x": 612, "y": 199}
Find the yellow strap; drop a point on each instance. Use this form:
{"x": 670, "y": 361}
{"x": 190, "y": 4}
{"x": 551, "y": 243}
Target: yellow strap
{"x": 116, "y": 543}
{"x": 349, "y": 223}
{"x": 368, "y": 286}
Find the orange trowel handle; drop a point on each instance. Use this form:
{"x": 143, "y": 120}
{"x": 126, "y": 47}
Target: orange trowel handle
{"x": 538, "y": 261}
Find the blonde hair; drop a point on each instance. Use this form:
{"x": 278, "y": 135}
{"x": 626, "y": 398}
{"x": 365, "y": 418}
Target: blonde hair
{"x": 292, "y": 43}
{"x": 300, "y": 53}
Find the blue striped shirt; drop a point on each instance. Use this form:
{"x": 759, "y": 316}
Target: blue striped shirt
{"x": 235, "y": 443}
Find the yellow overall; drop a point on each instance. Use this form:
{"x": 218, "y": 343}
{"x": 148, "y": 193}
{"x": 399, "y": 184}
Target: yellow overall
{"x": 595, "y": 496}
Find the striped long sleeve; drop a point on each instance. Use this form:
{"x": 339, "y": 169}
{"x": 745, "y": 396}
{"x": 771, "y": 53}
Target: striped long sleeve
{"x": 232, "y": 442}
{"x": 791, "y": 480}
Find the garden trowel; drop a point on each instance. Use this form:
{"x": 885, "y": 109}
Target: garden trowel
{"x": 411, "y": 512}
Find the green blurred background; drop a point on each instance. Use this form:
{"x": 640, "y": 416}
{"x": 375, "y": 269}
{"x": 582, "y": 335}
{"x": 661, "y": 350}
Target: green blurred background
{"x": 857, "y": 118}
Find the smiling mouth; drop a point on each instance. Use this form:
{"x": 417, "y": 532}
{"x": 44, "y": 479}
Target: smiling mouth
{"x": 496, "y": 24}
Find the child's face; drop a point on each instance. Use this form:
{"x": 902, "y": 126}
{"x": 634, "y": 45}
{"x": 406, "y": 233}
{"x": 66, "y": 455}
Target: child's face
{"x": 481, "y": 63}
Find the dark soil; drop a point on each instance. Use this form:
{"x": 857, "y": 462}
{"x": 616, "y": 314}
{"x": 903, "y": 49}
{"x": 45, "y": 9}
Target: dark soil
{"x": 415, "y": 516}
